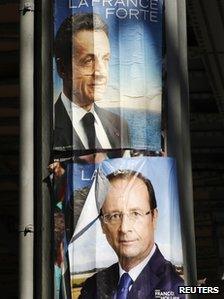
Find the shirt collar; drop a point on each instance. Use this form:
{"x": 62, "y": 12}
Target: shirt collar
{"x": 134, "y": 272}
{"x": 75, "y": 112}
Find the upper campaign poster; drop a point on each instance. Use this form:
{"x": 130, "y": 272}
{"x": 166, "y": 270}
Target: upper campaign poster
{"x": 107, "y": 74}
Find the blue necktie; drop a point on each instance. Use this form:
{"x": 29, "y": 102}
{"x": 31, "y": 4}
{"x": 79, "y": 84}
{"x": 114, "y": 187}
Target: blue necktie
{"x": 123, "y": 286}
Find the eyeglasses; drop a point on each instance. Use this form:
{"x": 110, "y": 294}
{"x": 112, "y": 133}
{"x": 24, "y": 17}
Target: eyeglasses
{"x": 116, "y": 217}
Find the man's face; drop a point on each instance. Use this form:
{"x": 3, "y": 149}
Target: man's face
{"x": 131, "y": 240}
{"x": 90, "y": 64}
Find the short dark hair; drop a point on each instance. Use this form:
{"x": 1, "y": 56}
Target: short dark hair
{"x": 128, "y": 174}
{"x": 70, "y": 26}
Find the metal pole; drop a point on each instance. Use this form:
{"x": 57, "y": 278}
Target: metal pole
{"x": 26, "y": 150}
{"x": 44, "y": 233}
{"x": 178, "y": 137}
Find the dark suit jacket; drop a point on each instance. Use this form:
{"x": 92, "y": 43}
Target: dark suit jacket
{"x": 64, "y": 134}
{"x": 158, "y": 274}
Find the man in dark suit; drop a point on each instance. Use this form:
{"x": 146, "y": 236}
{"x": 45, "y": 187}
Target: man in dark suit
{"x": 128, "y": 219}
{"x": 82, "y": 54}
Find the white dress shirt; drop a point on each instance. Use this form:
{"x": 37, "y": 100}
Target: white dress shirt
{"x": 134, "y": 272}
{"x": 76, "y": 114}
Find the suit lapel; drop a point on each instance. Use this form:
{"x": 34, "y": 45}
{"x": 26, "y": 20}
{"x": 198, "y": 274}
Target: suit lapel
{"x": 107, "y": 282}
{"x": 66, "y": 135}
{"x": 145, "y": 284}
{"x": 111, "y": 128}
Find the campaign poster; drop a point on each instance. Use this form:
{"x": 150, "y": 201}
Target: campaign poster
{"x": 107, "y": 74}
{"x": 129, "y": 219}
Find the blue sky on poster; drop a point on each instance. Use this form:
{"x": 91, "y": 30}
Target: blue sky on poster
{"x": 136, "y": 45}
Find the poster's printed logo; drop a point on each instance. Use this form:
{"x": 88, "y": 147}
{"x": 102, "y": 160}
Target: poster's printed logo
{"x": 123, "y": 9}
{"x": 165, "y": 295}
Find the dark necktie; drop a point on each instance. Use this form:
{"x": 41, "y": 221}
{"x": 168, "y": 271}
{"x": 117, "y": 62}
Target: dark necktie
{"x": 123, "y": 286}
{"x": 89, "y": 128}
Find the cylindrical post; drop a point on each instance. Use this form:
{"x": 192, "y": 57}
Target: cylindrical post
{"x": 178, "y": 137}
{"x": 26, "y": 150}
{"x": 44, "y": 247}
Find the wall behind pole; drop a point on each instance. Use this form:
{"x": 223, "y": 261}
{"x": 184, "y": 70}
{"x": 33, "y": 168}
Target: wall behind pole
{"x": 26, "y": 153}
{"x": 178, "y": 135}
{"x": 44, "y": 270}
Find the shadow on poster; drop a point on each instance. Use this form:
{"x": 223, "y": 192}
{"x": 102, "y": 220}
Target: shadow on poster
{"x": 107, "y": 74}
{"x": 111, "y": 216}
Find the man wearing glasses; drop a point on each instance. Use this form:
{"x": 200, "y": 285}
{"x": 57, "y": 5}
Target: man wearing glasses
{"x": 128, "y": 219}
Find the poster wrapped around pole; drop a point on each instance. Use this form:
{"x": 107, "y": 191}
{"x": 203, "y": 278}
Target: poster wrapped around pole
{"x": 117, "y": 221}
{"x": 107, "y": 75}
{"x": 121, "y": 215}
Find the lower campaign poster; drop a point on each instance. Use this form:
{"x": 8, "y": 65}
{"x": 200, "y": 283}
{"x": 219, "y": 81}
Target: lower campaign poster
{"x": 122, "y": 223}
